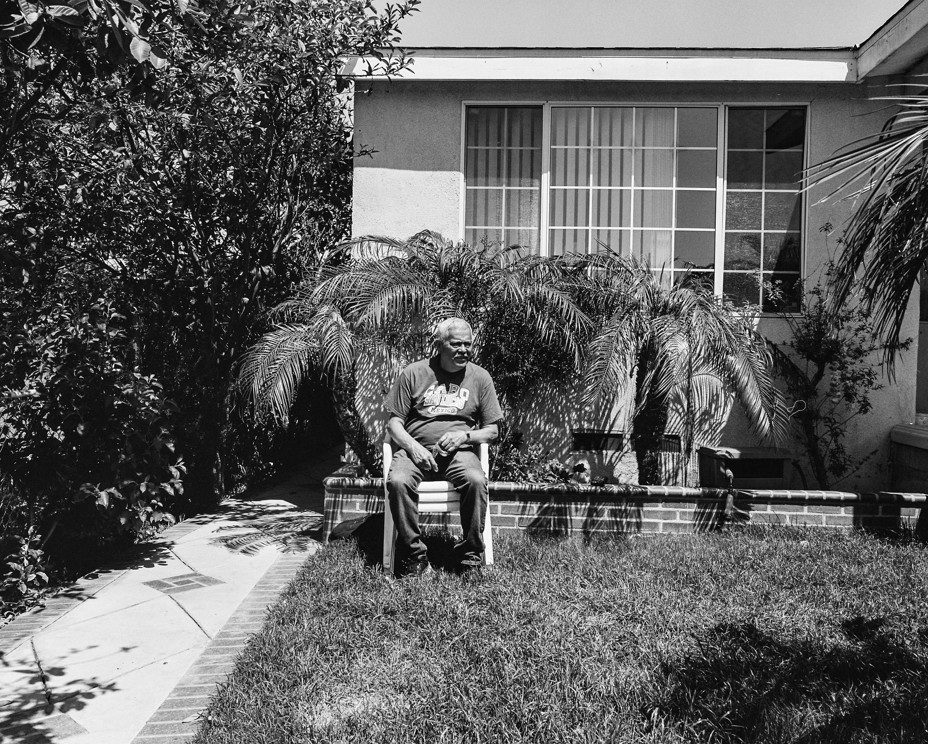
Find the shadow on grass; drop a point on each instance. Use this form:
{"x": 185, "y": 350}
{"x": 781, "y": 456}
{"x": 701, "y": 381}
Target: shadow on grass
{"x": 741, "y": 685}
{"x": 367, "y": 534}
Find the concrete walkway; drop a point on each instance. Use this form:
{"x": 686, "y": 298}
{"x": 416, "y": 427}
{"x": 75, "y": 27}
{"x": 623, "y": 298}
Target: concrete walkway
{"x": 133, "y": 653}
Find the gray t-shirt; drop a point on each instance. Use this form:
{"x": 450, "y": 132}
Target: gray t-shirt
{"x": 432, "y": 401}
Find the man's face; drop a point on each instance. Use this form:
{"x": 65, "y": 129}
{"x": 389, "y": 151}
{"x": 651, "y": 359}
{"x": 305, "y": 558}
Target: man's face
{"x": 454, "y": 349}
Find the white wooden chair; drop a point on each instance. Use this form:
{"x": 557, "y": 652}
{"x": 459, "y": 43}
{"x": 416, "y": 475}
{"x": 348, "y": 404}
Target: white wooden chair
{"x": 435, "y": 497}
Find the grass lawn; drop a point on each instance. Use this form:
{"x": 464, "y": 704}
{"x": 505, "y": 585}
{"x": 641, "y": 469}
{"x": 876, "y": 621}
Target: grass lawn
{"x": 755, "y": 636}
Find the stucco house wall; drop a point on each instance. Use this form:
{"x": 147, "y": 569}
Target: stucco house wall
{"x": 414, "y": 181}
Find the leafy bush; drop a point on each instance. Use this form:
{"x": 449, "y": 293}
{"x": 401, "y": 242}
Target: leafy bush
{"x": 513, "y": 460}
{"x": 24, "y": 577}
{"x": 86, "y": 440}
{"x": 830, "y": 367}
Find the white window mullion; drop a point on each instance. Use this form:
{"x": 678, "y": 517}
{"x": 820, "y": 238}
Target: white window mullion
{"x": 720, "y": 202}
{"x": 544, "y": 206}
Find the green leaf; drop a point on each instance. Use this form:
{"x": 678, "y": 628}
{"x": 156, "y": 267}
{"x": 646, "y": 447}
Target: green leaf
{"x": 158, "y": 58}
{"x": 61, "y": 10}
{"x": 30, "y": 11}
{"x": 140, "y": 49}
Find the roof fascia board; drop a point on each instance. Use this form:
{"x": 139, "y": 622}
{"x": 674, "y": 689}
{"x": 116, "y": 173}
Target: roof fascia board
{"x": 810, "y": 66}
{"x": 897, "y": 44}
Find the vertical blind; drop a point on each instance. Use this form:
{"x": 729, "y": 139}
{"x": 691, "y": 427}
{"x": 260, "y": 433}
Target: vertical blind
{"x": 503, "y": 175}
{"x": 637, "y": 180}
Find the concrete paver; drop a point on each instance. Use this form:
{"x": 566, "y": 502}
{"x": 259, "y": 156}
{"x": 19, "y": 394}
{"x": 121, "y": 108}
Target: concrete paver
{"x": 95, "y": 669}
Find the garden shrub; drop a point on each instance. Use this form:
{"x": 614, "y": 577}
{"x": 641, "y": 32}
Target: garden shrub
{"x": 84, "y": 440}
{"x": 23, "y": 577}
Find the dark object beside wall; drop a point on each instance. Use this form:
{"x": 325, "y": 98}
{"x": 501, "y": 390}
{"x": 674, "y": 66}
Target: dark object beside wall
{"x": 747, "y": 468}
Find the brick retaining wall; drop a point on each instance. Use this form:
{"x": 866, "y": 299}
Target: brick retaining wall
{"x": 564, "y": 509}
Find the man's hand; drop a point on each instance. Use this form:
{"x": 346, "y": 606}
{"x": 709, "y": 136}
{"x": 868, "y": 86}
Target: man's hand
{"x": 422, "y": 457}
{"x": 451, "y": 441}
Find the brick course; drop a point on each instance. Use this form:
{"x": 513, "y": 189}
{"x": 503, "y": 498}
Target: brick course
{"x": 556, "y": 509}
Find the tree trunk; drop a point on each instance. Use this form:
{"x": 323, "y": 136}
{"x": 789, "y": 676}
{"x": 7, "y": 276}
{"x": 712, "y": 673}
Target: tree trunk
{"x": 814, "y": 449}
{"x": 648, "y": 441}
{"x": 344, "y": 389}
{"x": 648, "y": 424}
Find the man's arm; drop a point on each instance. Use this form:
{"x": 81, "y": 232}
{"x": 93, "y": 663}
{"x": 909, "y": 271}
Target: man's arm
{"x": 417, "y": 453}
{"x": 454, "y": 440}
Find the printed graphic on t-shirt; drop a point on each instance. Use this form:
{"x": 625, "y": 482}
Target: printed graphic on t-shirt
{"x": 440, "y": 399}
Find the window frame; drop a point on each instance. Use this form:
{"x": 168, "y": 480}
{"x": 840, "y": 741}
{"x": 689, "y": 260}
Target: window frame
{"x": 721, "y": 164}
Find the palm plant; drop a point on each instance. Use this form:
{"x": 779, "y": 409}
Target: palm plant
{"x": 384, "y": 297}
{"x": 675, "y": 343}
{"x": 886, "y": 238}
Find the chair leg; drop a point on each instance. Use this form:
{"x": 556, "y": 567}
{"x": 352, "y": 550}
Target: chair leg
{"x": 389, "y": 537}
{"x": 488, "y": 540}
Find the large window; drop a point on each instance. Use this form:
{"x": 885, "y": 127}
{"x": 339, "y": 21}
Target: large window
{"x": 712, "y": 190}
{"x": 636, "y": 180}
{"x": 502, "y": 167}
{"x": 763, "y": 205}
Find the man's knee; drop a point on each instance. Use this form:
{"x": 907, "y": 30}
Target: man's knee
{"x": 399, "y": 479}
{"x": 474, "y": 478}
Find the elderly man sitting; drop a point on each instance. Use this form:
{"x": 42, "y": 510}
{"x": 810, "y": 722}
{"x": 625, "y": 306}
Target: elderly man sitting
{"x": 440, "y": 408}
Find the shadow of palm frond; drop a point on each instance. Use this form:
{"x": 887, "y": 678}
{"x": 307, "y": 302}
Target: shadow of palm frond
{"x": 290, "y": 533}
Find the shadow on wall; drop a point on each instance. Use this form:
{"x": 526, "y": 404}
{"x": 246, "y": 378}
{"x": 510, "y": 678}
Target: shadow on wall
{"x": 741, "y": 685}
{"x": 554, "y": 411}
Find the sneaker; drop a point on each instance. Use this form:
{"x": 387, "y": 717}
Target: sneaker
{"x": 469, "y": 565}
{"x": 413, "y": 567}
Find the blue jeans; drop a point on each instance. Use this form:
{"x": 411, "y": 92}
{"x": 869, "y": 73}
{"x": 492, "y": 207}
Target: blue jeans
{"x": 462, "y": 469}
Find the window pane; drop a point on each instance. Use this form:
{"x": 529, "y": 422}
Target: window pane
{"x": 696, "y": 168}
{"x": 523, "y": 167}
{"x": 527, "y": 239}
{"x": 567, "y": 241}
{"x": 697, "y": 127}
{"x": 485, "y": 126}
{"x": 702, "y": 280}
{"x": 742, "y": 289}
{"x": 782, "y": 211}
{"x": 611, "y": 167}
{"x": 522, "y": 208}
{"x": 746, "y": 128}
{"x": 695, "y": 209}
{"x": 654, "y": 127}
{"x": 570, "y": 167}
{"x": 785, "y": 294}
{"x": 742, "y": 211}
{"x": 481, "y": 236}
{"x": 654, "y": 168}
{"x": 612, "y": 208}
{"x": 781, "y": 252}
{"x": 783, "y": 169}
{"x": 503, "y": 150}
{"x": 653, "y": 208}
{"x": 612, "y": 126}
{"x": 569, "y": 207}
{"x": 694, "y": 250}
{"x": 618, "y": 241}
{"x": 745, "y": 170}
{"x": 653, "y": 247}
{"x": 484, "y": 207}
{"x": 524, "y": 127}
{"x": 785, "y": 128}
{"x": 570, "y": 126}
{"x": 484, "y": 167}
{"x": 742, "y": 251}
